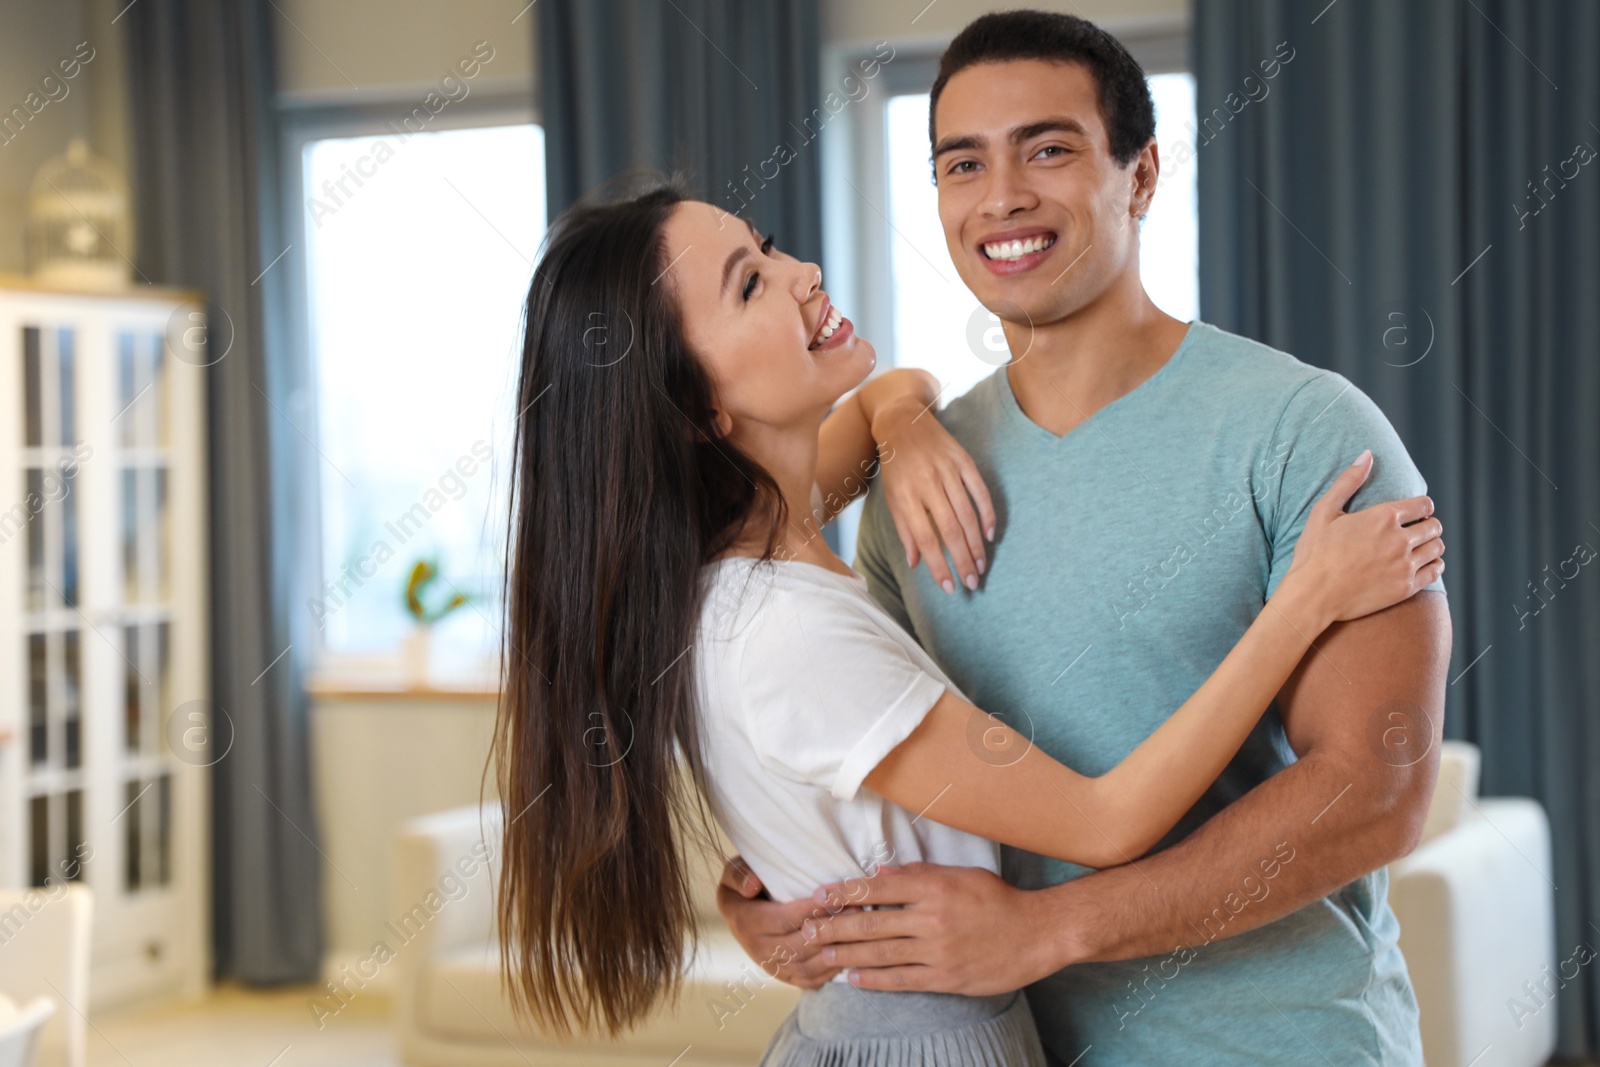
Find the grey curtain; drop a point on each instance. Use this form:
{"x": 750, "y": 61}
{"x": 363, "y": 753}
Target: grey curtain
{"x": 1413, "y": 199}
{"x": 708, "y": 88}
{"x": 201, "y": 92}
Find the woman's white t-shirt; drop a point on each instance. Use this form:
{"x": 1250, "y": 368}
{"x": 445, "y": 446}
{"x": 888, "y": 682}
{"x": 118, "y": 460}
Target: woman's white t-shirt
{"x": 805, "y": 685}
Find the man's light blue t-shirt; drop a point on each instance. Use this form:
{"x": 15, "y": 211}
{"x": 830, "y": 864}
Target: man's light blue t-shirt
{"x": 1131, "y": 554}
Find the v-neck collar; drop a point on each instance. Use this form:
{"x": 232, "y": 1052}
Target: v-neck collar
{"x": 1013, "y": 411}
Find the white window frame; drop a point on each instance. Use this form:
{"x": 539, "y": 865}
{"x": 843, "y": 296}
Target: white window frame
{"x": 302, "y": 123}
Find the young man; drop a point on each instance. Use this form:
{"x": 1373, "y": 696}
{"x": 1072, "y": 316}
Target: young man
{"x": 1151, "y": 478}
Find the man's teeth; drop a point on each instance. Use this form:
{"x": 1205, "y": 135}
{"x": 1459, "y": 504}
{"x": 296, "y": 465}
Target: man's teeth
{"x": 835, "y": 316}
{"x": 1018, "y": 249}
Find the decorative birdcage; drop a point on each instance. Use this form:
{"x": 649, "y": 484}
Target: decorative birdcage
{"x": 78, "y": 229}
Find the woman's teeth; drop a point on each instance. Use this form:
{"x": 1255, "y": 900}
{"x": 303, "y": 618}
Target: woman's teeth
{"x": 1017, "y": 249}
{"x": 835, "y": 316}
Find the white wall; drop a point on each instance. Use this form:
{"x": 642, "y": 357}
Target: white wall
{"x": 355, "y": 50}
{"x": 37, "y": 36}
{"x": 376, "y": 762}
{"x": 919, "y": 21}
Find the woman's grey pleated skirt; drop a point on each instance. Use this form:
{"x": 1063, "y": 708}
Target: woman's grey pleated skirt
{"x": 840, "y": 1025}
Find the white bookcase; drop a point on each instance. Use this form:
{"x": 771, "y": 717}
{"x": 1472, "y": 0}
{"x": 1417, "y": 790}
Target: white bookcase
{"x": 103, "y": 623}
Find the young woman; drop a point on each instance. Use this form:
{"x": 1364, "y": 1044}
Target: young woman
{"x": 670, "y": 607}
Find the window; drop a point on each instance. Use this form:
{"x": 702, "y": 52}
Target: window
{"x": 937, "y": 323}
{"x": 418, "y": 254}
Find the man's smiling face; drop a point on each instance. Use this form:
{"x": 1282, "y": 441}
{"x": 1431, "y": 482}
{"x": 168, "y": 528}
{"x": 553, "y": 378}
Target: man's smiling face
{"x": 1037, "y": 213}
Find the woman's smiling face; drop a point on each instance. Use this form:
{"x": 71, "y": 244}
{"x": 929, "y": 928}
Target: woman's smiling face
{"x": 776, "y": 350}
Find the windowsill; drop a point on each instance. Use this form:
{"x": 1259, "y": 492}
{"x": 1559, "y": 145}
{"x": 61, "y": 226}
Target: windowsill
{"x": 335, "y": 688}
{"x": 386, "y": 678}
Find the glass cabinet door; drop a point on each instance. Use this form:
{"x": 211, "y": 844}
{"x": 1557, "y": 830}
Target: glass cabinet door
{"x": 52, "y": 625}
{"x": 147, "y": 783}
{"x": 142, "y": 429}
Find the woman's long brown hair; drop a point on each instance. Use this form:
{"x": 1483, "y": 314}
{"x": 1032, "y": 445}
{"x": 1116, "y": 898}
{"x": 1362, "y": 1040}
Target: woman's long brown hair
{"x": 622, "y": 490}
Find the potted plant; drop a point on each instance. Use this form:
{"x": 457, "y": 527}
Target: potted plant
{"x": 417, "y": 643}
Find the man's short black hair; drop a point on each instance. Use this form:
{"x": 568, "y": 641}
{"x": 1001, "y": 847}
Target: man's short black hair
{"x": 1002, "y": 36}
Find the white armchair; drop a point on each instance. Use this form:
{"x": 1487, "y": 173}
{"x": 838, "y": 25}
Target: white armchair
{"x": 449, "y": 1008}
{"x": 44, "y": 953}
{"x": 20, "y": 1030}
{"x": 1477, "y": 929}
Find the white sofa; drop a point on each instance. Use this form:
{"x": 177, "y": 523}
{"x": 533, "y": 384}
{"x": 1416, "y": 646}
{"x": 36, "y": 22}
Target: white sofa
{"x": 1473, "y": 899}
{"x": 448, "y": 1006}
{"x": 1476, "y": 910}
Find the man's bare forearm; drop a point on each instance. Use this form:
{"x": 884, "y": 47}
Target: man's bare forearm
{"x": 1344, "y": 809}
{"x": 1292, "y": 840}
